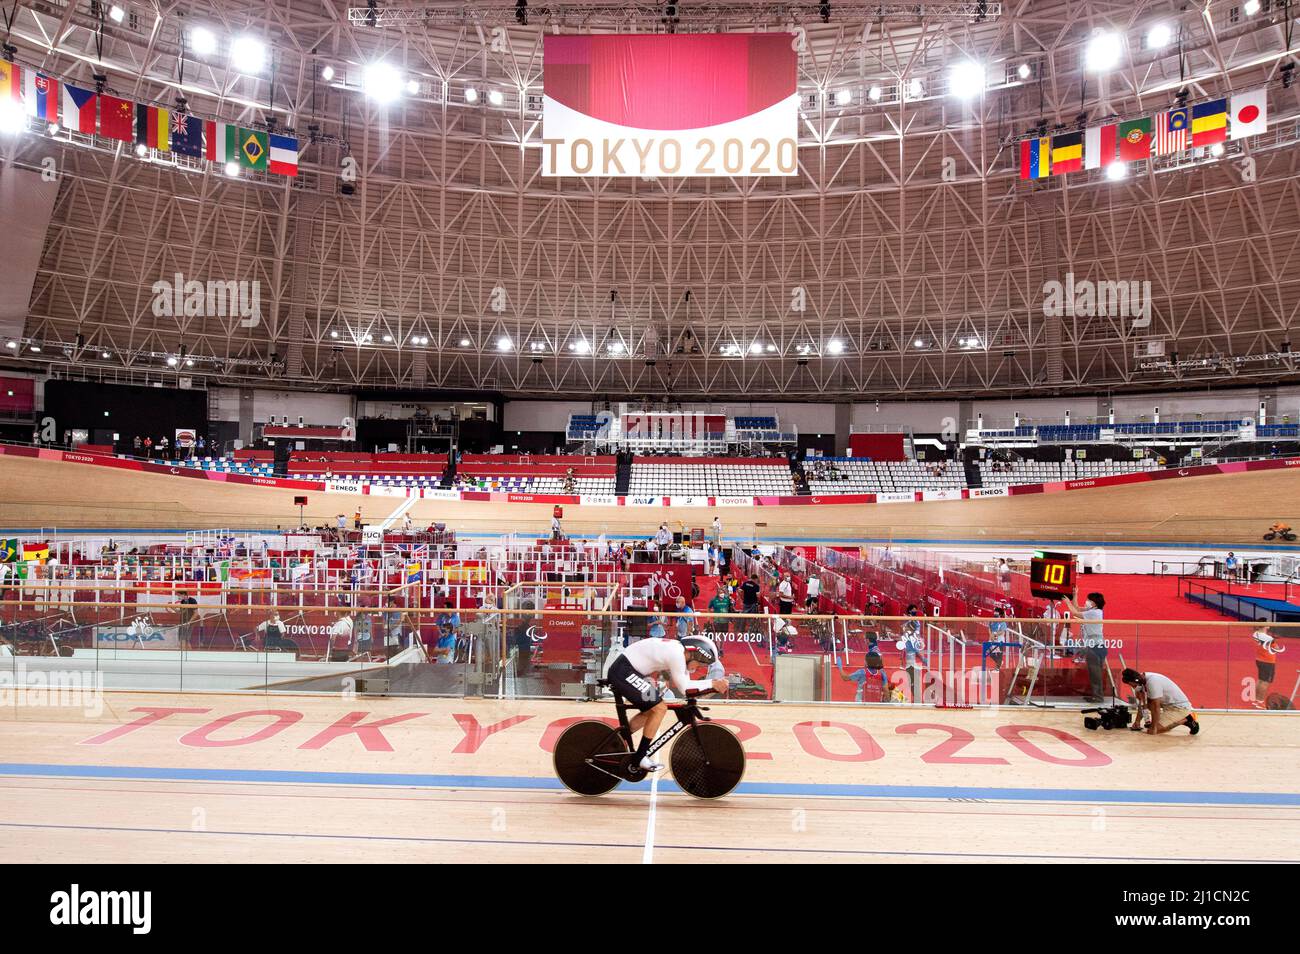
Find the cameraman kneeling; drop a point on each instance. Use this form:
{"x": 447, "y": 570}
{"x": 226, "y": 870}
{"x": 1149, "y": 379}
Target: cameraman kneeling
{"x": 1167, "y": 704}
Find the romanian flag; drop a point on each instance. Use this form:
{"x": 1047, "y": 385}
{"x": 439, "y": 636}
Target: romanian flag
{"x": 1067, "y": 153}
{"x": 1035, "y": 158}
{"x": 11, "y": 82}
{"x": 153, "y": 127}
{"x": 8, "y": 551}
{"x": 1209, "y": 122}
{"x": 36, "y": 551}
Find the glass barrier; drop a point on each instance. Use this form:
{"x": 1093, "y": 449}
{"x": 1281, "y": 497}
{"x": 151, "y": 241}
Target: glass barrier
{"x": 558, "y": 640}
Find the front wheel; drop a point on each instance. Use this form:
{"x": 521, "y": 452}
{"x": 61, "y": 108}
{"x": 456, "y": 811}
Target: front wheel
{"x": 576, "y": 744}
{"x": 708, "y": 761}
{"x": 1270, "y": 535}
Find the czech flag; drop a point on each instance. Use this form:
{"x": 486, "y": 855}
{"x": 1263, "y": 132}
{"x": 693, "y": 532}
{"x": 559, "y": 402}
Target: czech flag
{"x": 79, "y": 108}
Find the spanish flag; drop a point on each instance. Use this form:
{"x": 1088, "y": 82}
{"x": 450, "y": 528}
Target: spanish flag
{"x": 36, "y": 551}
{"x": 1209, "y": 122}
{"x": 1067, "y": 153}
{"x": 11, "y": 83}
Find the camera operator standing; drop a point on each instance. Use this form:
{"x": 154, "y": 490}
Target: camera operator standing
{"x": 1167, "y": 704}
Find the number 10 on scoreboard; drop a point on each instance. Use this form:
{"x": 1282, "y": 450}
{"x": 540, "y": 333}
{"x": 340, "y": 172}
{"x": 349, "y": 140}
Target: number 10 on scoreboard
{"x": 1051, "y": 575}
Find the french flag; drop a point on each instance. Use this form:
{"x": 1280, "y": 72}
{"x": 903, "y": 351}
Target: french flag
{"x": 79, "y": 111}
{"x": 42, "y": 95}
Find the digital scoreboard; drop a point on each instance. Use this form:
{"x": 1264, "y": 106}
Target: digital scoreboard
{"x": 1051, "y": 575}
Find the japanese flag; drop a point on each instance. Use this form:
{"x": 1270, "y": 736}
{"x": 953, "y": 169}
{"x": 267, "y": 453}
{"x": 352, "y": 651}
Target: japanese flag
{"x": 1248, "y": 114}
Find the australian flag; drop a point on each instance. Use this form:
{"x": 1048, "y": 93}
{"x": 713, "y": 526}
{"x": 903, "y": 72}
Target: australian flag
{"x": 187, "y": 135}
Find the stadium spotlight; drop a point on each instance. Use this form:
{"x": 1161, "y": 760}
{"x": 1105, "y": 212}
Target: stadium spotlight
{"x": 843, "y": 98}
{"x": 36, "y": 348}
{"x": 581, "y": 346}
{"x": 171, "y": 362}
{"x": 504, "y": 343}
{"x": 12, "y": 118}
{"x": 327, "y": 73}
{"x": 1023, "y": 71}
{"x": 413, "y": 86}
{"x": 380, "y": 82}
{"x": 388, "y": 339}
{"x": 11, "y": 345}
{"x": 471, "y": 94}
{"x": 203, "y": 41}
{"x": 53, "y": 129}
{"x": 873, "y": 94}
{"x": 116, "y": 13}
{"x": 142, "y": 150}
{"x": 1116, "y": 171}
{"x": 756, "y": 348}
{"x": 105, "y": 354}
{"x": 496, "y": 97}
{"x": 916, "y": 89}
{"x": 967, "y": 79}
{"x": 1103, "y": 51}
{"x": 1159, "y": 36}
{"x": 835, "y": 346}
{"x": 232, "y": 170}
{"x": 248, "y": 54}
{"x": 918, "y": 343}
{"x": 1250, "y": 7}
{"x": 334, "y": 334}
{"x": 1216, "y": 150}
{"x": 616, "y": 347}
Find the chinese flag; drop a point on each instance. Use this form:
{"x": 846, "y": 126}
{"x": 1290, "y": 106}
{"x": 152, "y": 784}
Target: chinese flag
{"x": 116, "y": 118}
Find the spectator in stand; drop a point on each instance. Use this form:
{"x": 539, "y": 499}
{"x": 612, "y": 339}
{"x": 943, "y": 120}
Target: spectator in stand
{"x": 162, "y": 447}
{"x": 997, "y": 634}
{"x": 342, "y": 526}
{"x": 785, "y": 595}
{"x": 356, "y": 519}
{"x": 557, "y": 532}
{"x": 202, "y": 446}
{"x": 148, "y": 447}
{"x": 407, "y": 523}
{"x": 685, "y": 618}
{"x": 663, "y": 538}
{"x": 912, "y": 646}
{"x": 783, "y": 631}
{"x": 1267, "y": 648}
{"x": 272, "y": 629}
{"x": 134, "y": 444}
{"x": 1004, "y": 575}
{"x": 187, "y": 613}
{"x": 1230, "y": 566}
{"x": 717, "y": 532}
{"x": 813, "y": 598}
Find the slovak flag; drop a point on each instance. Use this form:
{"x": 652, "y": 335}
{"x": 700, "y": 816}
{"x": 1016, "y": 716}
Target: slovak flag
{"x": 41, "y": 94}
{"x": 79, "y": 108}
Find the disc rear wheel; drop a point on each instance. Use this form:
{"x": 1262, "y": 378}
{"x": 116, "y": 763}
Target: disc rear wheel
{"x": 708, "y": 761}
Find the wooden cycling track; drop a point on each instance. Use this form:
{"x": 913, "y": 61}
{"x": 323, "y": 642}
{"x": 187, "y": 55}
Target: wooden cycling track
{"x": 212, "y": 778}
{"x": 1229, "y": 509}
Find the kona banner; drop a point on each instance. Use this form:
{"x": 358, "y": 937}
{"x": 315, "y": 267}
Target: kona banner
{"x": 710, "y": 104}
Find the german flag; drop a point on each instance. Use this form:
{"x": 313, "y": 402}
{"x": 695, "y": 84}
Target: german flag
{"x": 1209, "y": 122}
{"x": 153, "y": 127}
{"x": 1067, "y": 153}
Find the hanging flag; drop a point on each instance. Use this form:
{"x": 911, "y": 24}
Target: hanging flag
{"x": 1135, "y": 140}
{"x": 1249, "y": 113}
{"x": 220, "y": 142}
{"x": 1169, "y": 138}
{"x": 187, "y": 135}
{"x": 11, "y": 83}
{"x": 1099, "y": 145}
{"x": 8, "y": 551}
{"x": 36, "y": 551}
{"x": 79, "y": 113}
{"x": 153, "y": 127}
{"x": 254, "y": 149}
{"x": 413, "y": 573}
{"x": 1180, "y": 117}
{"x": 41, "y": 96}
{"x": 1209, "y": 122}
{"x": 1035, "y": 158}
{"x": 284, "y": 155}
{"x": 1067, "y": 153}
{"x": 116, "y": 118}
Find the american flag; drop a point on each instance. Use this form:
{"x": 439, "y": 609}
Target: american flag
{"x": 1169, "y": 140}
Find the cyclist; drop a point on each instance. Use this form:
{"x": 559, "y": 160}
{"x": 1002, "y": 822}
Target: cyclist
{"x": 1281, "y": 529}
{"x": 632, "y": 676}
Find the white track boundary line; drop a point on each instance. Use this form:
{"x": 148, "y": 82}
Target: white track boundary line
{"x": 648, "y": 856}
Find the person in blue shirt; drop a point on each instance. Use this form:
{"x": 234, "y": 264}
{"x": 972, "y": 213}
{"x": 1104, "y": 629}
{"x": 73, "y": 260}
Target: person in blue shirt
{"x": 686, "y": 621}
{"x": 997, "y": 634}
{"x": 912, "y": 646}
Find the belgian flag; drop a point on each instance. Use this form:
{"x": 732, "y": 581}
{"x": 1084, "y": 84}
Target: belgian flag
{"x": 1067, "y": 153}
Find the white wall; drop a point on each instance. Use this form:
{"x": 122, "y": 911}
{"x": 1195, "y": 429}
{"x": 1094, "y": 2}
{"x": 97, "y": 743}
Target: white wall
{"x": 542, "y": 415}
{"x": 322, "y": 409}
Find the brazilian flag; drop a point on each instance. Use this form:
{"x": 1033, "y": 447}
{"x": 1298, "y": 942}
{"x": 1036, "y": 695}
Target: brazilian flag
{"x": 254, "y": 149}
{"x": 8, "y": 551}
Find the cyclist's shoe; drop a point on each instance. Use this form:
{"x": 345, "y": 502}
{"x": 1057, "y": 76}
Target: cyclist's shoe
{"x": 650, "y": 765}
